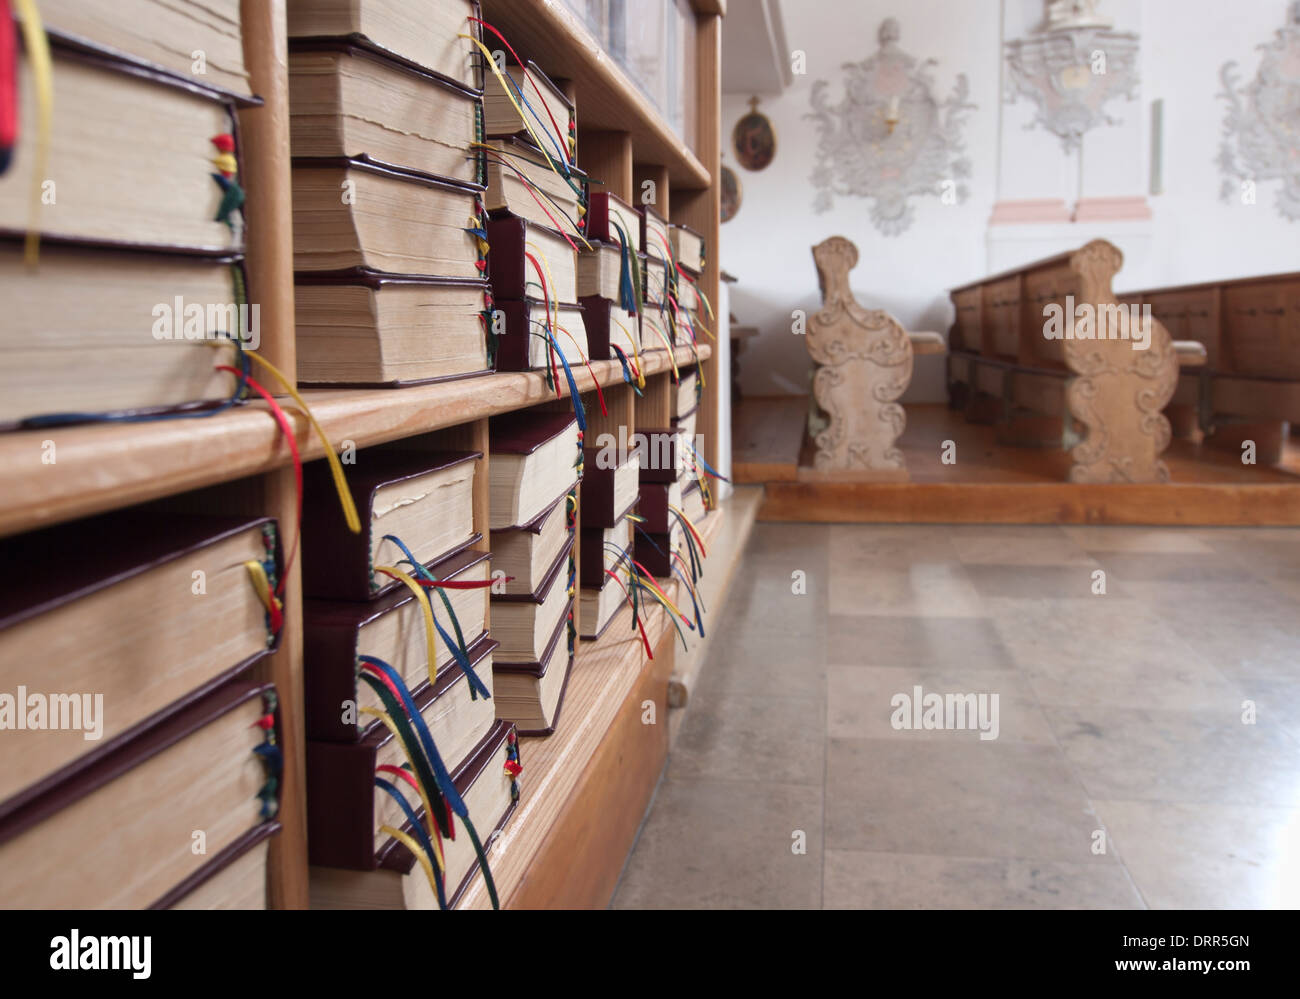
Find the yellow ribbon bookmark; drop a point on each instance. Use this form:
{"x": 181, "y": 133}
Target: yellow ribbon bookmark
{"x": 261, "y": 584}
{"x": 554, "y": 294}
{"x": 336, "y": 467}
{"x": 429, "y": 819}
{"x": 430, "y": 633}
{"x": 38, "y": 56}
{"x": 509, "y": 158}
{"x": 636, "y": 353}
{"x": 510, "y": 94}
{"x": 417, "y": 850}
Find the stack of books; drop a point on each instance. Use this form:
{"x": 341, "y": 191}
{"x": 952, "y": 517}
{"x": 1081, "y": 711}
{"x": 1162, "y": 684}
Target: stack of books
{"x": 608, "y": 283}
{"x": 538, "y": 204}
{"x": 616, "y": 233}
{"x": 135, "y": 196}
{"x": 688, "y": 251}
{"x": 141, "y": 761}
{"x": 610, "y": 484}
{"x": 392, "y": 657}
{"x": 659, "y": 279}
{"x": 672, "y": 499}
{"x": 686, "y": 405}
{"x": 535, "y": 470}
{"x": 385, "y": 123}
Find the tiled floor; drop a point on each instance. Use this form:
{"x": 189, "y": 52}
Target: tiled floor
{"x": 1148, "y": 737}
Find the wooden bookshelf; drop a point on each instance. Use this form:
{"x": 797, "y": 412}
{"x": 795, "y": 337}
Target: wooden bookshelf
{"x": 102, "y": 467}
{"x": 556, "y": 39}
{"x": 238, "y": 458}
{"x": 584, "y": 788}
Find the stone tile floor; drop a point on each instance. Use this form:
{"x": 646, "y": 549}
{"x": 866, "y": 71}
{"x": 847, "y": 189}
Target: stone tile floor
{"x": 1148, "y": 737}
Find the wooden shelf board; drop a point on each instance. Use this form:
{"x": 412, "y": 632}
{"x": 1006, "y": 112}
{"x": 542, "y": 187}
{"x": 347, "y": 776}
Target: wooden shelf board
{"x": 605, "y": 674}
{"x": 103, "y": 467}
{"x": 607, "y": 100}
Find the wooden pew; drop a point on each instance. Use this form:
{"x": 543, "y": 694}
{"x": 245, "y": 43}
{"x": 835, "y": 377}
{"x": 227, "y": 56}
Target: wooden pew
{"x": 863, "y": 363}
{"x": 1100, "y": 398}
{"x": 1250, "y": 329}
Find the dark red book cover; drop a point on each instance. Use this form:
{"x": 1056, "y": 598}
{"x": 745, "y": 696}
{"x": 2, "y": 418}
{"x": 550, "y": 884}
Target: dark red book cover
{"x": 336, "y": 562}
{"x": 331, "y": 631}
{"x": 599, "y": 322}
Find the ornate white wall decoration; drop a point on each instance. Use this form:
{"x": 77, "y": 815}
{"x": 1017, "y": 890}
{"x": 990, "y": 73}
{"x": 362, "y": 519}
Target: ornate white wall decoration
{"x": 1071, "y": 68}
{"x": 890, "y": 138}
{"x": 1261, "y": 131}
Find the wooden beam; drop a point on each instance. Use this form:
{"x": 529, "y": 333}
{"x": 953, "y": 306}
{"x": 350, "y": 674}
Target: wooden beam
{"x": 265, "y": 134}
{"x": 607, "y": 158}
{"x": 658, "y": 178}
{"x": 700, "y": 209}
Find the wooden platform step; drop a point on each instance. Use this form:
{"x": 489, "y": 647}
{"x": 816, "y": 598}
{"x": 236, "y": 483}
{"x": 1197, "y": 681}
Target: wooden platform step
{"x": 1181, "y": 504}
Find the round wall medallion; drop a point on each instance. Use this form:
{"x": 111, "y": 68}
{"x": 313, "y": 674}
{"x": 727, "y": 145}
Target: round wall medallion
{"x": 754, "y": 139}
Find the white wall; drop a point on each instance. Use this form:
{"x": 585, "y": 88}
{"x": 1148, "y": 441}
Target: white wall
{"x": 1192, "y": 236}
{"x": 768, "y": 245}
{"x": 1197, "y": 237}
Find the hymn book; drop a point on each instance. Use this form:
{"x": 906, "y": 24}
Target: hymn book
{"x": 120, "y": 834}
{"x": 82, "y": 639}
{"x": 391, "y": 628}
{"x": 425, "y": 499}
{"x": 345, "y": 100}
{"x": 530, "y": 693}
{"x": 392, "y": 879}
{"x": 424, "y": 35}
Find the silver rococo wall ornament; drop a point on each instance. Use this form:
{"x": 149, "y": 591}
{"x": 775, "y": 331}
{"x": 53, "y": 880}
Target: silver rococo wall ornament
{"x": 890, "y": 139}
{"x": 1071, "y": 68}
{"x": 1261, "y": 131}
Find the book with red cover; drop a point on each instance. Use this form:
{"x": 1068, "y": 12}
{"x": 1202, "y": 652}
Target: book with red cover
{"x": 377, "y": 281}
{"x": 524, "y": 431}
{"x": 683, "y": 236}
{"x": 182, "y": 719}
{"x": 525, "y": 325}
{"x": 344, "y": 15}
{"x": 600, "y": 325}
{"x": 110, "y": 557}
{"x": 341, "y": 821}
{"x": 557, "y": 655}
{"x": 218, "y": 863}
{"x": 341, "y": 792}
{"x": 68, "y": 157}
{"x": 541, "y": 121}
{"x": 604, "y": 212}
{"x": 654, "y": 552}
{"x": 512, "y": 274}
{"x": 350, "y": 57}
{"x": 654, "y": 234}
{"x": 336, "y": 562}
{"x": 652, "y": 505}
{"x": 600, "y": 507}
{"x": 331, "y": 633}
{"x": 658, "y": 447}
